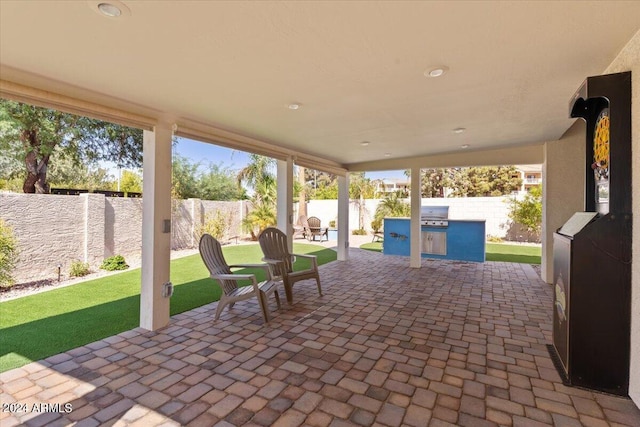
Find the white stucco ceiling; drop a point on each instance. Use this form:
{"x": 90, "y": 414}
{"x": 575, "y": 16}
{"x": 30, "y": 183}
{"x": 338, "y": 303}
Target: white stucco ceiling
{"x": 356, "y": 68}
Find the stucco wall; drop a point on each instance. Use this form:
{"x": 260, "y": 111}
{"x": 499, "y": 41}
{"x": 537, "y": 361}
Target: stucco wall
{"x": 55, "y": 230}
{"x": 123, "y": 230}
{"x": 49, "y": 229}
{"x": 629, "y": 60}
{"x": 563, "y": 187}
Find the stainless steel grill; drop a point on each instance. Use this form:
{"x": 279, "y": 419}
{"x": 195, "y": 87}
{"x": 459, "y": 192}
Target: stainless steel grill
{"x": 434, "y": 216}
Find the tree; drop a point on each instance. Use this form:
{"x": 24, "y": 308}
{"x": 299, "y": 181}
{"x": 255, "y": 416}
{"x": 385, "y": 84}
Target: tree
{"x": 258, "y": 175}
{"x": 434, "y": 182}
{"x": 259, "y": 169}
{"x": 216, "y": 183}
{"x": 130, "y": 182}
{"x": 361, "y": 188}
{"x": 485, "y": 181}
{"x": 219, "y": 183}
{"x": 65, "y": 173}
{"x": 184, "y": 178}
{"x": 31, "y": 134}
{"x": 8, "y": 254}
{"x": 302, "y": 194}
{"x": 528, "y": 211}
{"x": 393, "y": 206}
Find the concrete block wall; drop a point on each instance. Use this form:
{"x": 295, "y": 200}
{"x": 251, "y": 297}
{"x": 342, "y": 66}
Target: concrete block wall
{"x": 49, "y": 229}
{"x": 55, "y": 230}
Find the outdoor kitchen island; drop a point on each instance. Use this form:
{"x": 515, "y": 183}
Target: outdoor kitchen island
{"x": 459, "y": 239}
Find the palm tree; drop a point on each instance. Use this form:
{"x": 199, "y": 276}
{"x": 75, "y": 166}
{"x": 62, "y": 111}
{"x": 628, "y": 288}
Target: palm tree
{"x": 361, "y": 188}
{"x": 393, "y": 206}
{"x": 257, "y": 170}
{"x": 258, "y": 174}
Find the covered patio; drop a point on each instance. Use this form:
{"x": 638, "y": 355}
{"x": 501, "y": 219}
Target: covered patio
{"x": 348, "y": 87}
{"x": 451, "y": 343}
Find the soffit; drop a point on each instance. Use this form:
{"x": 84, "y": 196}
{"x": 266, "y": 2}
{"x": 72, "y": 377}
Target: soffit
{"x": 356, "y": 68}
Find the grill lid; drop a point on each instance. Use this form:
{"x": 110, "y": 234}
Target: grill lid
{"x": 434, "y": 213}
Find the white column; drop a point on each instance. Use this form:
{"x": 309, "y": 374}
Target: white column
{"x": 285, "y": 198}
{"x": 343, "y": 218}
{"x": 156, "y": 227}
{"x": 415, "y": 260}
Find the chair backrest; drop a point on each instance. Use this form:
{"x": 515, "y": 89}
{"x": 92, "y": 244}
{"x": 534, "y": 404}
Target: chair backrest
{"x": 274, "y": 245}
{"x": 302, "y": 220}
{"x": 314, "y": 222}
{"x": 211, "y": 253}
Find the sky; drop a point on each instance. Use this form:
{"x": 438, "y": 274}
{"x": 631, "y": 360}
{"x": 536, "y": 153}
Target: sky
{"x": 236, "y": 160}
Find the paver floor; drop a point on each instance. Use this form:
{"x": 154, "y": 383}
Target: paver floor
{"x": 452, "y": 343}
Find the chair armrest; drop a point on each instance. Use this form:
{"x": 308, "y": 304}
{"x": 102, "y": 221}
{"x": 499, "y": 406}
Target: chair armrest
{"x": 236, "y": 277}
{"x": 313, "y": 258}
{"x": 263, "y": 266}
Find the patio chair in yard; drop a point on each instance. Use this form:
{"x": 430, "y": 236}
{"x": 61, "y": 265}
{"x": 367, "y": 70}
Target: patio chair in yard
{"x": 300, "y": 228}
{"x": 273, "y": 243}
{"x": 211, "y": 253}
{"x": 316, "y": 230}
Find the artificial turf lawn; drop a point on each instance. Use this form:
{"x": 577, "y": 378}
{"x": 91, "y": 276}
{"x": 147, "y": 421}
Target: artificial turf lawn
{"x": 525, "y": 254}
{"x": 41, "y": 325}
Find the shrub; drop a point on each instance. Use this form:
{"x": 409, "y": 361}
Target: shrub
{"x": 78, "y": 269}
{"x": 495, "y": 239}
{"x": 376, "y": 225}
{"x": 216, "y": 224}
{"x": 528, "y": 211}
{"x": 359, "y": 232}
{"x": 8, "y": 254}
{"x": 114, "y": 263}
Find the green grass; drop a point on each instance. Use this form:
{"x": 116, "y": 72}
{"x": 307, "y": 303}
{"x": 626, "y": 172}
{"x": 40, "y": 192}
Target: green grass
{"x": 372, "y": 246}
{"x": 525, "y": 254}
{"x": 495, "y": 252}
{"x": 41, "y": 325}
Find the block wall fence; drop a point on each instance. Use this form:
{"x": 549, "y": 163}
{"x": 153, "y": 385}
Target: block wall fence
{"x": 55, "y": 230}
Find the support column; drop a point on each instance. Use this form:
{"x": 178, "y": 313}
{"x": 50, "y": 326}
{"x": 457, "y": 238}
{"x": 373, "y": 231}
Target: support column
{"x": 156, "y": 226}
{"x": 343, "y": 218}
{"x": 285, "y": 199}
{"x": 415, "y": 233}
{"x": 94, "y": 228}
{"x": 197, "y": 220}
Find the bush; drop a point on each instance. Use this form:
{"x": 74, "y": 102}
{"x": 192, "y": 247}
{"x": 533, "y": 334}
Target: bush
{"x": 114, "y": 263}
{"x": 216, "y": 224}
{"x": 78, "y": 269}
{"x": 359, "y": 232}
{"x": 528, "y": 211}
{"x": 376, "y": 225}
{"x": 8, "y": 254}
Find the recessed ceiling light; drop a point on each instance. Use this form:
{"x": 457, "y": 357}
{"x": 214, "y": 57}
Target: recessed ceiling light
{"x": 436, "y": 71}
{"x": 293, "y": 106}
{"x": 464, "y": 146}
{"x": 109, "y": 10}
{"x": 387, "y": 154}
{"x": 364, "y": 143}
{"x": 458, "y": 130}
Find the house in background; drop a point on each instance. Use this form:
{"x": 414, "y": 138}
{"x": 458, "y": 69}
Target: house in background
{"x": 531, "y": 176}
